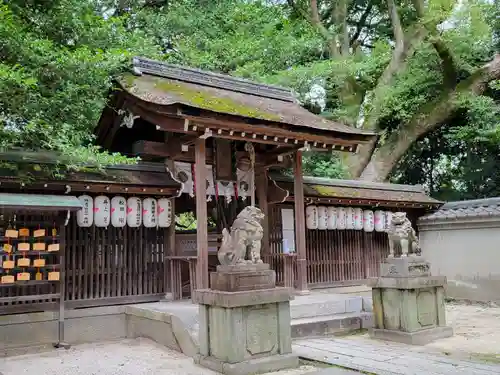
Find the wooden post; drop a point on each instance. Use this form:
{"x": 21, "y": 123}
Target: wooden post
{"x": 262, "y": 185}
{"x": 300, "y": 225}
{"x": 201, "y": 214}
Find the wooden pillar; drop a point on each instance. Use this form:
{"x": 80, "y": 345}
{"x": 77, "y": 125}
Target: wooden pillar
{"x": 262, "y": 187}
{"x": 201, "y": 214}
{"x": 300, "y": 225}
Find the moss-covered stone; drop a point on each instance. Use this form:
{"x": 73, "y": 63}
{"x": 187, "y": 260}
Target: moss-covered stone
{"x": 200, "y": 98}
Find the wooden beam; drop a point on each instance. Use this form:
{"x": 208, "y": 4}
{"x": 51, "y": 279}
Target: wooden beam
{"x": 262, "y": 187}
{"x": 172, "y": 149}
{"x": 300, "y": 225}
{"x": 201, "y": 214}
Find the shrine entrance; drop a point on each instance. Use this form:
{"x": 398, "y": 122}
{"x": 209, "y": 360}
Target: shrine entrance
{"x": 218, "y": 136}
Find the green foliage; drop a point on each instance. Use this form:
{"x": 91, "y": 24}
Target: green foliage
{"x": 58, "y": 61}
{"x": 323, "y": 164}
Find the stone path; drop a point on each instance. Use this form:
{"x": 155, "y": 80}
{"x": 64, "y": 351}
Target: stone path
{"x": 384, "y": 358}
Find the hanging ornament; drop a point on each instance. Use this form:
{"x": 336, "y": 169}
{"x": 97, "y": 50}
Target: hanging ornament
{"x": 368, "y": 221}
{"x": 322, "y": 218}
{"x": 332, "y": 218}
{"x": 341, "y": 218}
{"x": 102, "y": 211}
{"x": 379, "y": 221}
{"x": 85, "y": 217}
{"x": 210, "y": 184}
{"x": 164, "y": 212}
{"x": 312, "y": 217}
{"x": 226, "y": 189}
{"x": 358, "y": 218}
{"x": 244, "y": 183}
{"x": 118, "y": 212}
{"x": 183, "y": 174}
{"x": 149, "y": 212}
{"x": 134, "y": 212}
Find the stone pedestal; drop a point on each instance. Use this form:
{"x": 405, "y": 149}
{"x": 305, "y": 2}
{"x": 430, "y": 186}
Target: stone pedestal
{"x": 245, "y": 322}
{"x": 408, "y": 303}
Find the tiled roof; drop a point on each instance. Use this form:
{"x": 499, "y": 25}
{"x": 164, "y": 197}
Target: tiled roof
{"x": 165, "y": 84}
{"x": 473, "y": 209}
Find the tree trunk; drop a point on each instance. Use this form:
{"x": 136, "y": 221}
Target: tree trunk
{"x": 386, "y": 156}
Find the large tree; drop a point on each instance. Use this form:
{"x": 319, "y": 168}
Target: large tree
{"x": 404, "y": 68}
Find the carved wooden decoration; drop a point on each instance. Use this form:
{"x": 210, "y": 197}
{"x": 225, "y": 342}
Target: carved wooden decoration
{"x": 224, "y": 170}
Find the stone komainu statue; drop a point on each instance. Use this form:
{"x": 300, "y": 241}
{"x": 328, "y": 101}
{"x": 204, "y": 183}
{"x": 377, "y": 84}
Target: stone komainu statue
{"x": 242, "y": 245}
{"x": 401, "y": 232}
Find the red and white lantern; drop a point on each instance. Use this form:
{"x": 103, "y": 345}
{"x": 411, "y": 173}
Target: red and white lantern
{"x": 358, "y": 218}
{"x": 118, "y": 212}
{"x": 332, "y": 218}
{"x": 322, "y": 218}
{"x": 85, "y": 217}
{"x": 164, "y": 212}
{"x": 379, "y": 220}
{"x": 149, "y": 212}
{"x": 134, "y": 212}
{"x": 312, "y": 217}
{"x": 368, "y": 221}
{"x": 341, "y": 218}
{"x": 102, "y": 211}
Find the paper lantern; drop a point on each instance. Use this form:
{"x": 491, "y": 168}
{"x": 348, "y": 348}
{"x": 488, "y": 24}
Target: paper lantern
{"x": 358, "y": 219}
{"x": 164, "y": 212}
{"x": 341, "y": 217}
{"x": 388, "y": 220}
{"x": 379, "y": 220}
{"x": 322, "y": 218}
{"x": 349, "y": 218}
{"x": 102, "y": 211}
{"x": 312, "y": 217}
{"x": 118, "y": 212}
{"x": 149, "y": 212}
{"x": 85, "y": 217}
{"x": 332, "y": 218}
{"x": 134, "y": 212}
{"x": 368, "y": 221}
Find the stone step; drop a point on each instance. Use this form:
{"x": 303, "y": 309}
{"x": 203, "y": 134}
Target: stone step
{"x": 316, "y": 305}
{"x": 328, "y": 325}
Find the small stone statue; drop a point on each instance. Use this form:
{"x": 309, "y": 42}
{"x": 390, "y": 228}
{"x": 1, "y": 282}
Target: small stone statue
{"x": 401, "y": 231}
{"x": 242, "y": 245}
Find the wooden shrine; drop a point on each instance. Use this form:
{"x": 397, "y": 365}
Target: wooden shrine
{"x": 219, "y": 126}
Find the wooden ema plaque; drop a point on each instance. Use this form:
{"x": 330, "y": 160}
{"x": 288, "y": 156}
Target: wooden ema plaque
{"x": 11, "y": 233}
{"x": 24, "y": 232}
{"x": 39, "y": 233}
{"x": 53, "y": 247}
{"x": 7, "y": 279}
{"x": 8, "y": 264}
{"x": 39, "y": 246}
{"x": 39, "y": 263}
{"x": 23, "y": 276}
{"x": 23, "y": 262}
{"x": 23, "y": 246}
{"x": 7, "y": 247}
{"x": 54, "y": 276}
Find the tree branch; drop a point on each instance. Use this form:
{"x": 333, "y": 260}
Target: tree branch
{"x": 385, "y": 158}
{"x": 448, "y": 66}
{"x": 314, "y": 19}
{"x": 360, "y": 25}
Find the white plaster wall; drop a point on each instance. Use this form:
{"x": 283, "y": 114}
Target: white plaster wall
{"x": 469, "y": 258}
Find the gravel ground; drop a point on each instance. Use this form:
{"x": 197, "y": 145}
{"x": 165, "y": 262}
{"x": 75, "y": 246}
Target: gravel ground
{"x": 126, "y": 357}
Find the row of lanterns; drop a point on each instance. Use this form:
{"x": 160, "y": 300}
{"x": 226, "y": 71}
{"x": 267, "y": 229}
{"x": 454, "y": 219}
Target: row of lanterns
{"x": 331, "y": 218}
{"x": 120, "y": 211}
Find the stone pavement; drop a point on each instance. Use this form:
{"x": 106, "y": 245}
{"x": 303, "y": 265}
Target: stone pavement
{"x": 384, "y": 358}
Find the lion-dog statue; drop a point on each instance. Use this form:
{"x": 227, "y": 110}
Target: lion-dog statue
{"x": 242, "y": 245}
{"x": 401, "y": 232}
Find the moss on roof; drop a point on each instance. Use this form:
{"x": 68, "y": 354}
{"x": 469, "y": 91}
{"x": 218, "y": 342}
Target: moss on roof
{"x": 202, "y": 99}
